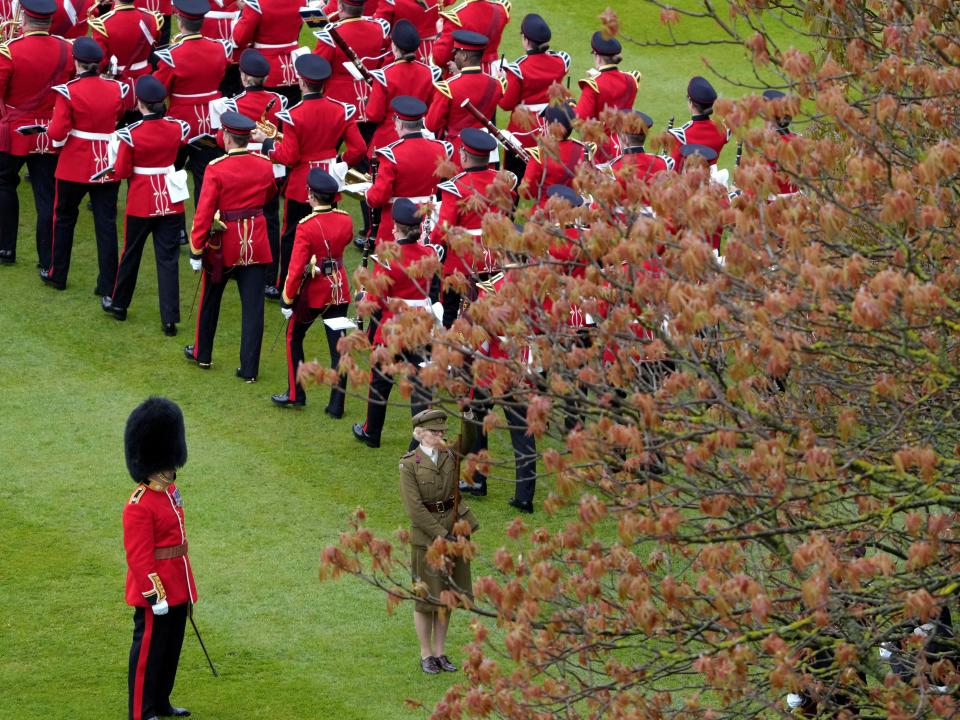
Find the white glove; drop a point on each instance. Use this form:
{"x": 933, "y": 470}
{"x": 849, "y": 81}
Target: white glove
{"x": 196, "y": 264}
{"x": 794, "y": 701}
{"x": 286, "y": 312}
{"x": 160, "y": 608}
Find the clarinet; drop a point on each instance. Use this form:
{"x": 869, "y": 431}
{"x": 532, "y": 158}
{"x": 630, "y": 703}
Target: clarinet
{"x": 371, "y": 238}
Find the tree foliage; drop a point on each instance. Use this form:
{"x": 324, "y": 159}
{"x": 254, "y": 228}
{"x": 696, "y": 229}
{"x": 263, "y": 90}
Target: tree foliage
{"x": 760, "y": 488}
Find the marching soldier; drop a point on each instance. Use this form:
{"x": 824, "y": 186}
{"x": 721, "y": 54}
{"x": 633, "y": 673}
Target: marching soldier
{"x": 528, "y": 83}
{"x": 218, "y": 25}
{"x": 30, "y": 66}
{"x": 191, "y": 70}
{"x": 701, "y": 130}
{"x": 406, "y": 293}
{"x": 464, "y": 201}
{"x": 447, "y": 117}
{"x": 781, "y": 124}
{"x": 607, "y": 87}
{"x": 273, "y": 28}
{"x": 422, "y": 16}
{"x": 408, "y": 166}
{"x": 635, "y": 164}
{"x": 404, "y": 76}
{"x": 229, "y": 240}
{"x": 549, "y": 166}
{"x": 317, "y": 286}
{"x": 84, "y": 118}
{"x": 258, "y": 103}
{"x": 313, "y": 131}
{"x": 159, "y": 582}
{"x": 128, "y": 34}
{"x": 147, "y": 153}
{"x": 486, "y": 17}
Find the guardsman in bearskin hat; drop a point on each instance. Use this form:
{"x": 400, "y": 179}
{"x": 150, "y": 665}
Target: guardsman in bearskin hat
{"x": 30, "y": 66}
{"x": 317, "y": 285}
{"x": 701, "y": 130}
{"x": 159, "y": 579}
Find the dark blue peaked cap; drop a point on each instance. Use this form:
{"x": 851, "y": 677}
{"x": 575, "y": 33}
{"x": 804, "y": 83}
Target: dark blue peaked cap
{"x": 313, "y": 68}
{"x": 566, "y": 193}
{"x": 707, "y": 153}
{"x": 322, "y": 182}
{"x": 535, "y": 28}
{"x": 469, "y": 40}
{"x": 477, "y": 142}
{"x": 408, "y": 107}
{"x": 253, "y": 63}
{"x": 86, "y": 50}
{"x": 234, "y": 122}
{"x": 39, "y": 8}
{"x": 605, "y": 46}
{"x": 405, "y": 212}
{"x": 192, "y": 9}
{"x": 149, "y": 89}
{"x": 405, "y": 36}
{"x": 701, "y": 91}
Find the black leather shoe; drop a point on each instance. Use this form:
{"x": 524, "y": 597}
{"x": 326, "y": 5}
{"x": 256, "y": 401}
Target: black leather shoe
{"x": 50, "y": 282}
{"x": 108, "y": 307}
{"x": 271, "y": 293}
{"x": 283, "y": 400}
{"x": 332, "y": 413}
{"x": 246, "y": 379}
{"x": 7, "y": 257}
{"x": 188, "y": 353}
{"x": 444, "y": 662}
{"x": 176, "y": 712}
{"x": 169, "y": 329}
{"x": 430, "y": 665}
{"x": 359, "y": 242}
{"x": 360, "y": 434}
{"x": 524, "y": 506}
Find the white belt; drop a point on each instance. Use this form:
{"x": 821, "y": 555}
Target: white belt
{"x": 423, "y": 303}
{"x": 268, "y": 46}
{"x": 534, "y": 108}
{"x": 418, "y": 200}
{"x": 84, "y": 135}
{"x": 221, "y": 15}
{"x": 138, "y": 170}
{"x": 195, "y": 95}
{"x": 475, "y": 232}
{"x": 137, "y": 65}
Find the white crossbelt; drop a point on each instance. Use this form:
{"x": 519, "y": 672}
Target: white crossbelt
{"x": 221, "y": 15}
{"x": 534, "y": 108}
{"x": 418, "y": 200}
{"x": 423, "y": 303}
{"x": 140, "y": 170}
{"x": 268, "y": 46}
{"x": 84, "y": 135}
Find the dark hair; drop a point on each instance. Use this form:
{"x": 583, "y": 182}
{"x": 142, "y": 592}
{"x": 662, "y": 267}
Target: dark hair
{"x": 241, "y": 140}
{"x": 155, "y": 108}
{"x": 323, "y": 198}
{"x": 473, "y": 57}
{"x": 407, "y": 56}
{"x": 701, "y": 109}
{"x": 539, "y": 47}
{"x": 407, "y": 231}
{"x": 314, "y": 87}
{"x": 474, "y": 160}
{"x": 411, "y": 125}
{"x": 350, "y": 11}
{"x": 635, "y": 139}
{"x": 255, "y": 81}
{"x": 610, "y": 59}
{"x": 88, "y": 66}
{"x": 190, "y": 25}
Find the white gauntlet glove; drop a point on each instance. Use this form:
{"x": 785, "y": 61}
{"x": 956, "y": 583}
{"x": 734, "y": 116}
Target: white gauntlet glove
{"x": 196, "y": 264}
{"x": 160, "y": 608}
{"x": 286, "y": 312}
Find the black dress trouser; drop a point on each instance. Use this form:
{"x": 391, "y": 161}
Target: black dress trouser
{"x": 296, "y": 332}
{"x": 41, "y": 167}
{"x": 166, "y": 231}
{"x": 524, "y": 444}
{"x": 293, "y": 212}
{"x": 379, "y": 393}
{"x": 154, "y": 655}
{"x": 250, "y": 280}
{"x": 66, "y": 211}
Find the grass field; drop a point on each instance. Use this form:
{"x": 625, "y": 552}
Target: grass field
{"x": 265, "y": 489}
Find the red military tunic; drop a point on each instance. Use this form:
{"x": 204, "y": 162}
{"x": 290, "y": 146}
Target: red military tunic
{"x": 273, "y": 28}
{"x": 148, "y": 150}
{"x": 527, "y": 87}
{"x": 402, "y": 77}
{"x": 239, "y": 183}
{"x": 191, "y": 70}
{"x": 70, "y": 18}
{"x": 30, "y": 66}
{"x": 164, "y": 7}
{"x": 446, "y": 118}
{"x": 424, "y": 19}
{"x": 547, "y": 168}
{"x": 701, "y": 130}
{"x": 252, "y": 103}
{"x": 154, "y": 519}
{"x": 785, "y": 186}
{"x": 218, "y": 23}
{"x": 609, "y": 88}
{"x": 84, "y": 118}
{"x": 456, "y": 210}
{"x": 487, "y": 17}
{"x": 401, "y": 285}
{"x": 313, "y": 130}
{"x": 369, "y": 38}
{"x": 324, "y": 233}
{"x": 637, "y": 166}
{"x": 332, "y": 9}
{"x": 407, "y": 169}
{"x": 129, "y": 34}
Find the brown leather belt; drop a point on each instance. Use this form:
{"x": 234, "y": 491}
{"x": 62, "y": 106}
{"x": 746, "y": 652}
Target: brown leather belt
{"x": 234, "y": 215}
{"x": 439, "y": 505}
{"x": 169, "y": 553}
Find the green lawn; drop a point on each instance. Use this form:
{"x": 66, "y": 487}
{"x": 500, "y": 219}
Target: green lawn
{"x": 265, "y": 489}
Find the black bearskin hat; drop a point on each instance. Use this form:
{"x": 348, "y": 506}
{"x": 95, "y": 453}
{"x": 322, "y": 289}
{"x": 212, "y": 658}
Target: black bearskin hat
{"x": 154, "y": 438}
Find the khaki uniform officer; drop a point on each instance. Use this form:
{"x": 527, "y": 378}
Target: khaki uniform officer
{"x": 428, "y": 484}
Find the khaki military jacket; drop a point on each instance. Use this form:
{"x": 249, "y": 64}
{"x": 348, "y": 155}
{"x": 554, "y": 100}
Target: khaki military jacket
{"x": 423, "y": 481}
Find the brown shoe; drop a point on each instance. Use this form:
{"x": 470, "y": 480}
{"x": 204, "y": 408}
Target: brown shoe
{"x": 444, "y": 662}
{"x": 430, "y": 665}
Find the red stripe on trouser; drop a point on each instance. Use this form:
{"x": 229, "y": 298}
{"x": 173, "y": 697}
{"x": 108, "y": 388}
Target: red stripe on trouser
{"x": 291, "y": 370}
{"x": 53, "y": 229}
{"x": 196, "y": 335}
{"x": 142, "y": 664}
